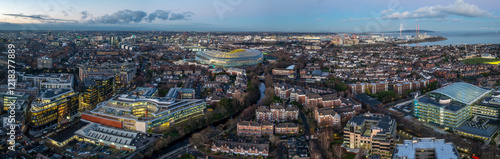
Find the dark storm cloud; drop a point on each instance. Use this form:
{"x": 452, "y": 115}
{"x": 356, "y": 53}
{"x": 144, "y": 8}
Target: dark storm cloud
{"x": 65, "y": 13}
{"x": 181, "y": 16}
{"x": 160, "y": 14}
{"x": 121, "y": 17}
{"x": 168, "y": 15}
{"x": 43, "y": 18}
{"x": 39, "y": 17}
{"x": 85, "y": 14}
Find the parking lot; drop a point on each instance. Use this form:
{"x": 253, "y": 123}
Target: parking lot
{"x": 78, "y": 149}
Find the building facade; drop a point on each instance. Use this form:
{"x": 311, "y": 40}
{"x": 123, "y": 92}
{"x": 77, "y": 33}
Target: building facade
{"x": 53, "y": 106}
{"x": 374, "y": 132}
{"x": 96, "y": 89}
{"x": 252, "y": 128}
{"x": 425, "y": 148}
{"x": 449, "y": 106}
{"x": 124, "y": 73}
{"x": 241, "y": 147}
{"x": 49, "y": 81}
{"x": 234, "y": 58}
{"x": 142, "y": 113}
{"x": 44, "y": 62}
{"x": 358, "y": 88}
{"x": 327, "y": 117}
{"x": 286, "y": 128}
{"x": 276, "y": 112}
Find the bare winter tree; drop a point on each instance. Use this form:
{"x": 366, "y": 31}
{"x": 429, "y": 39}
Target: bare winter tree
{"x": 198, "y": 139}
{"x": 338, "y": 151}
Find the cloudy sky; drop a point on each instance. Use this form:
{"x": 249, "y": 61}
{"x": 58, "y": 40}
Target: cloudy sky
{"x": 251, "y": 15}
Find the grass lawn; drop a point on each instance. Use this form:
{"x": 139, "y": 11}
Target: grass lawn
{"x": 349, "y": 156}
{"x": 481, "y": 61}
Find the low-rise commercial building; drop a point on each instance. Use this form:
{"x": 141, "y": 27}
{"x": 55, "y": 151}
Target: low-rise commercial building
{"x": 49, "y": 80}
{"x": 478, "y": 128}
{"x": 99, "y": 134}
{"x": 181, "y": 93}
{"x": 488, "y": 108}
{"x": 425, "y": 148}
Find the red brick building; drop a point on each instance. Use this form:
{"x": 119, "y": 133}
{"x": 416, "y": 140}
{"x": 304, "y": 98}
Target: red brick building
{"x": 241, "y": 147}
{"x": 222, "y": 78}
{"x": 277, "y": 112}
{"x": 284, "y": 72}
{"x": 211, "y": 84}
{"x": 327, "y": 117}
{"x": 252, "y": 128}
{"x": 373, "y": 88}
{"x": 283, "y": 90}
{"x": 286, "y": 128}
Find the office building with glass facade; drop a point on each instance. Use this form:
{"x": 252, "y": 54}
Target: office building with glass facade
{"x": 449, "y": 106}
{"x": 53, "y": 106}
{"x": 96, "y": 89}
{"x": 142, "y": 113}
{"x": 238, "y": 57}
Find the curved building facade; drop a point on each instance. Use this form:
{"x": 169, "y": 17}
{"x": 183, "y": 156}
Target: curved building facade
{"x": 449, "y": 106}
{"x": 140, "y": 113}
{"x": 234, "y": 58}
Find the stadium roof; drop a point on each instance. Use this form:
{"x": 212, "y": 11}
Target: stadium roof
{"x": 238, "y": 53}
{"x": 463, "y": 92}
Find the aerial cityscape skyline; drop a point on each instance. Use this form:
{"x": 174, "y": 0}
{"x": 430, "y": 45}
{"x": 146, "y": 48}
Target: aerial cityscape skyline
{"x": 232, "y": 79}
{"x": 218, "y": 15}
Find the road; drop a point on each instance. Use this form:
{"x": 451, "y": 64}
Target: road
{"x": 175, "y": 153}
{"x": 282, "y": 151}
{"x": 307, "y": 131}
{"x": 307, "y": 128}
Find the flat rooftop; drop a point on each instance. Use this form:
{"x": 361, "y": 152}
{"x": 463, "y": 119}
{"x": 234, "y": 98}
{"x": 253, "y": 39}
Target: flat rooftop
{"x": 479, "y": 129}
{"x": 68, "y": 132}
{"x": 453, "y": 106}
{"x": 441, "y": 148}
{"x": 122, "y": 105}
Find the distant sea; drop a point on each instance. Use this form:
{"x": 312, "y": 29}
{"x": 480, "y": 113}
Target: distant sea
{"x": 457, "y": 38}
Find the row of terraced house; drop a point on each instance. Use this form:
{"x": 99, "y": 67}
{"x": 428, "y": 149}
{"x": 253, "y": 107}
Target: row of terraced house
{"x": 265, "y": 128}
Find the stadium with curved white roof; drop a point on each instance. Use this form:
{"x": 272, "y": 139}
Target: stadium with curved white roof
{"x": 234, "y": 58}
